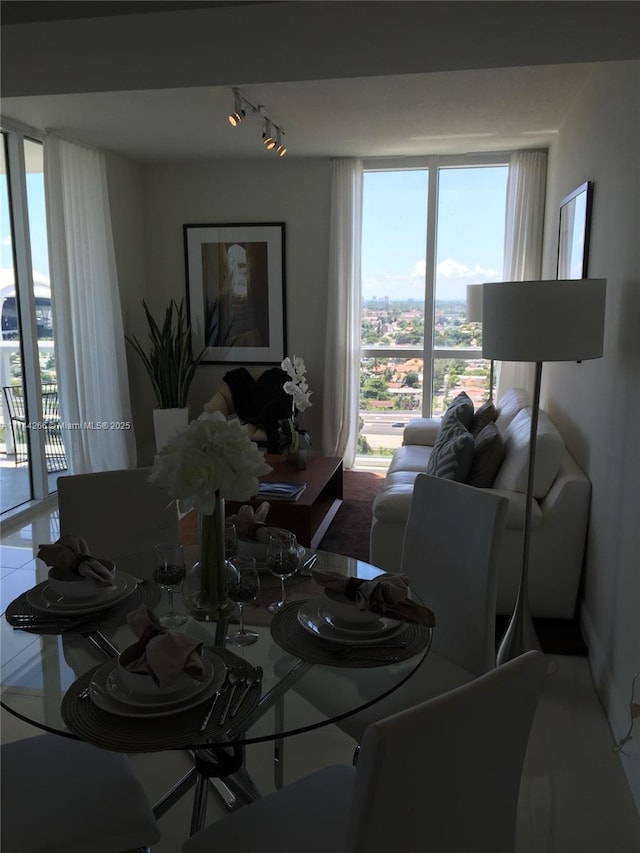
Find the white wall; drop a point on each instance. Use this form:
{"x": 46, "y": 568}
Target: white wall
{"x": 596, "y": 404}
{"x": 296, "y": 192}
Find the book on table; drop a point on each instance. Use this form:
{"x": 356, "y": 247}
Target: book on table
{"x": 281, "y": 490}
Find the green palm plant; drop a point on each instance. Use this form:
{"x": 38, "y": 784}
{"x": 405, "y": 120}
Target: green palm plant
{"x": 169, "y": 361}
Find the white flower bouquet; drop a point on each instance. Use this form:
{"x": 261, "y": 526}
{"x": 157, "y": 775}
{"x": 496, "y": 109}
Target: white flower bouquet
{"x": 212, "y": 457}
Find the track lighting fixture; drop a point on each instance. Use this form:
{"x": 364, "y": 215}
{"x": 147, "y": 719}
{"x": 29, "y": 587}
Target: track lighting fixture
{"x": 272, "y": 133}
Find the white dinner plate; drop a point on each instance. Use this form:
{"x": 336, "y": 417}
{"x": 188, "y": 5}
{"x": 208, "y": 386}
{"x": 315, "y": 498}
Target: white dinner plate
{"x": 121, "y": 694}
{"x": 373, "y": 627}
{"x": 311, "y": 618}
{"x": 43, "y": 597}
{"x": 99, "y": 694}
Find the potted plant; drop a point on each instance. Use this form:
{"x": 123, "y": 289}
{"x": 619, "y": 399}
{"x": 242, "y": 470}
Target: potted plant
{"x": 171, "y": 367}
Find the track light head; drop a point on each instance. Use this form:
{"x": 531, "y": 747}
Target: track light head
{"x": 267, "y": 136}
{"x": 238, "y": 112}
{"x": 280, "y": 148}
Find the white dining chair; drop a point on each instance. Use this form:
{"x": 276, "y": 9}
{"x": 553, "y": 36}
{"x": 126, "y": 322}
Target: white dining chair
{"x": 449, "y": 555}
{"x": 117, "y": 512}
{"x": 64, "y": 796}
{"x": 442, "y": 776}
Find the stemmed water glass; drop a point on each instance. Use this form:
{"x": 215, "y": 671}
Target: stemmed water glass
{"x": 283, "y": 560}
{"x": 169, "y": 572}
{"x": 230, "y": 540}
{"x": 242, "y": 585}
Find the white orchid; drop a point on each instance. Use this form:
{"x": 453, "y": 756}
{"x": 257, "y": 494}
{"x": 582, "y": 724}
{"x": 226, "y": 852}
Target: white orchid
{"x": 211, "y": 457}
{"x": 297, "y": 386}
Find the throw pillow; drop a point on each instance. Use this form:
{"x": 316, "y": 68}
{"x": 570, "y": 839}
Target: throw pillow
{"x": 487, "y": 457}
{"x": 452, "y": 453}
{"x": 485, "y": 414}
{"x": 460, "y": 408}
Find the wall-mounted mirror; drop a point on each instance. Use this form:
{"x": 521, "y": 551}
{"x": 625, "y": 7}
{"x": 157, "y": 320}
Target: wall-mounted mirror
{"x": 573, "y": 236}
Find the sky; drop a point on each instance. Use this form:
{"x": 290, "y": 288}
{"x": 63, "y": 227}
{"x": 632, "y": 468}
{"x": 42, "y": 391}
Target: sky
{"x": 470, "y": 231}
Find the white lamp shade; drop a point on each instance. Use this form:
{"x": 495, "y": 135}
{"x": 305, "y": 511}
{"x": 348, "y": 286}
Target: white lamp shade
{"x": 543, "y": 320}
{"x": 474, "y": 303}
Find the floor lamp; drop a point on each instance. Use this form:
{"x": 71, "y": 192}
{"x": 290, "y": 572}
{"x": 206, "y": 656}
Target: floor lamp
{"x": 538, "y": 321}
{"x": 474, "y": 315}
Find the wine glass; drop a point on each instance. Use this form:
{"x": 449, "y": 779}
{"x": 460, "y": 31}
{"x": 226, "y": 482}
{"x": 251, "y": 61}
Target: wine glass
{"x": 242, "y": 584}
{"x": 169, "y": 572}
{"x": 230, "y": 540}
{"x": 283, "y": 560}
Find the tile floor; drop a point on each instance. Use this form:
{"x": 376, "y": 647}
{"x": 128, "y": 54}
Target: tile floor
{"x": 574, "y": 796}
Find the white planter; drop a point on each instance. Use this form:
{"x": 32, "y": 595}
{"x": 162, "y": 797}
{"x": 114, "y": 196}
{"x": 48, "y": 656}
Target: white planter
{"x": 166, "y": 422}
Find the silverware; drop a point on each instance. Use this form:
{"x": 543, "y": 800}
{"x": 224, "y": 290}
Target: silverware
{"x": 216, "y": 696}
{"x": 252, "y": 678}
{"x": 236, "y": 679}
{"x": 305, "y": 568}
{"x": 60, "y": 623}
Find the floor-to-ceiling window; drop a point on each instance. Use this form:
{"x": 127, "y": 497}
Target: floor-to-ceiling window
{"x": 31, "y": 443}
{"x": 429, "y": 228}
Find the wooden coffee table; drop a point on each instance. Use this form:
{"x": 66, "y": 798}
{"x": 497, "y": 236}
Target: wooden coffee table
{"x": 308, "y": 517}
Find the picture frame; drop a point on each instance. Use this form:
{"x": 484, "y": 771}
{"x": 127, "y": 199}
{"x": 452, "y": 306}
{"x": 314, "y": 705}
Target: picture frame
{"x": 573, "y": 233}
{"x": 235, "y": 280}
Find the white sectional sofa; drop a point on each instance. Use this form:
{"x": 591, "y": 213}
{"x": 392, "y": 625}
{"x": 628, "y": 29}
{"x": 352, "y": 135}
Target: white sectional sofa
{"x": 560, "y": 508}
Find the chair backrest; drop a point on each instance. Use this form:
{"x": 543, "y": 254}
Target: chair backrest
{"x": 450, "y": 548}
{"x": 444, "y": 775}
{"x": 118, "y": 512}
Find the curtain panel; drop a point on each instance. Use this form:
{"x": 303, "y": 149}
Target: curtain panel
{"x": 341, "y": 395}
{"x": 526, "y": 187}
{"x": 87, "y": 315}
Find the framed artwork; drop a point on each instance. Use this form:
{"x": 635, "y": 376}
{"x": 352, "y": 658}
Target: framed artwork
{"x": 236, "y": 291}
{"x": 573, "y": 234}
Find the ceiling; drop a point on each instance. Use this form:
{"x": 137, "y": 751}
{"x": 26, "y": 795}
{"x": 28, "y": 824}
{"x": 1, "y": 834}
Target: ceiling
{"x": 456, "y": 112}
{"x": 441, "y": 112}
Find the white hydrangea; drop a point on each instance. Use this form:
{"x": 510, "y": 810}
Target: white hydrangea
{"x": 211, "y": 456}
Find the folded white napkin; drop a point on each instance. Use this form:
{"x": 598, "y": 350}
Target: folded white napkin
{"x": 70, "y": 554}
{"x": 162, "y": 654}
{"x": 386, "y": 595}
{"x": 249, "y": 522}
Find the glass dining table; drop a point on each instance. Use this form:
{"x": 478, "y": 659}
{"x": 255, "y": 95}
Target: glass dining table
{"x": 59, "y": 675}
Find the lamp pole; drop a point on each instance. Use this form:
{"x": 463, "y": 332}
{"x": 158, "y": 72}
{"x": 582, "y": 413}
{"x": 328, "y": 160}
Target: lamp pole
{"x": 520, "y": 635}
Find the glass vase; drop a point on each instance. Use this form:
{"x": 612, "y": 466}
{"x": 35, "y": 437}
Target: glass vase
{"x": 206, "y": 598}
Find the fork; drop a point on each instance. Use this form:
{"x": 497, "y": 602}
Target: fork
{"x": 216, "y": 696}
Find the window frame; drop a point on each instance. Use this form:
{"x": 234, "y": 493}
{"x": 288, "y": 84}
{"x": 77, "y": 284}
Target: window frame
{"x": 431, "y": 163}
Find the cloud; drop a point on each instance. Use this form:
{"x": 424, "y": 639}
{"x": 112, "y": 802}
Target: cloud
{"x": 455, "y": 270}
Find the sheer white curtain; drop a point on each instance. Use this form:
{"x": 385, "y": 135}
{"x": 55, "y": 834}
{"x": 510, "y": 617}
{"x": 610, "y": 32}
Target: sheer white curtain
{"x": 87, "y": 316}
{"x": 342, "y": 355}
{"x": 526, "y": 186}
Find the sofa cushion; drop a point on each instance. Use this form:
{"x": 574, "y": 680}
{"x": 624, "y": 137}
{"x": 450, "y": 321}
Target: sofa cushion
{"x": 410, "y": 457}
{"x": 484, "y": 415}
{"x": 510, "y": 404}
{"x": 452, "y": 453}
{"x": 488, "y": 456}
{"x": 461, "y": 409}
{"x": 549, "y": 449}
